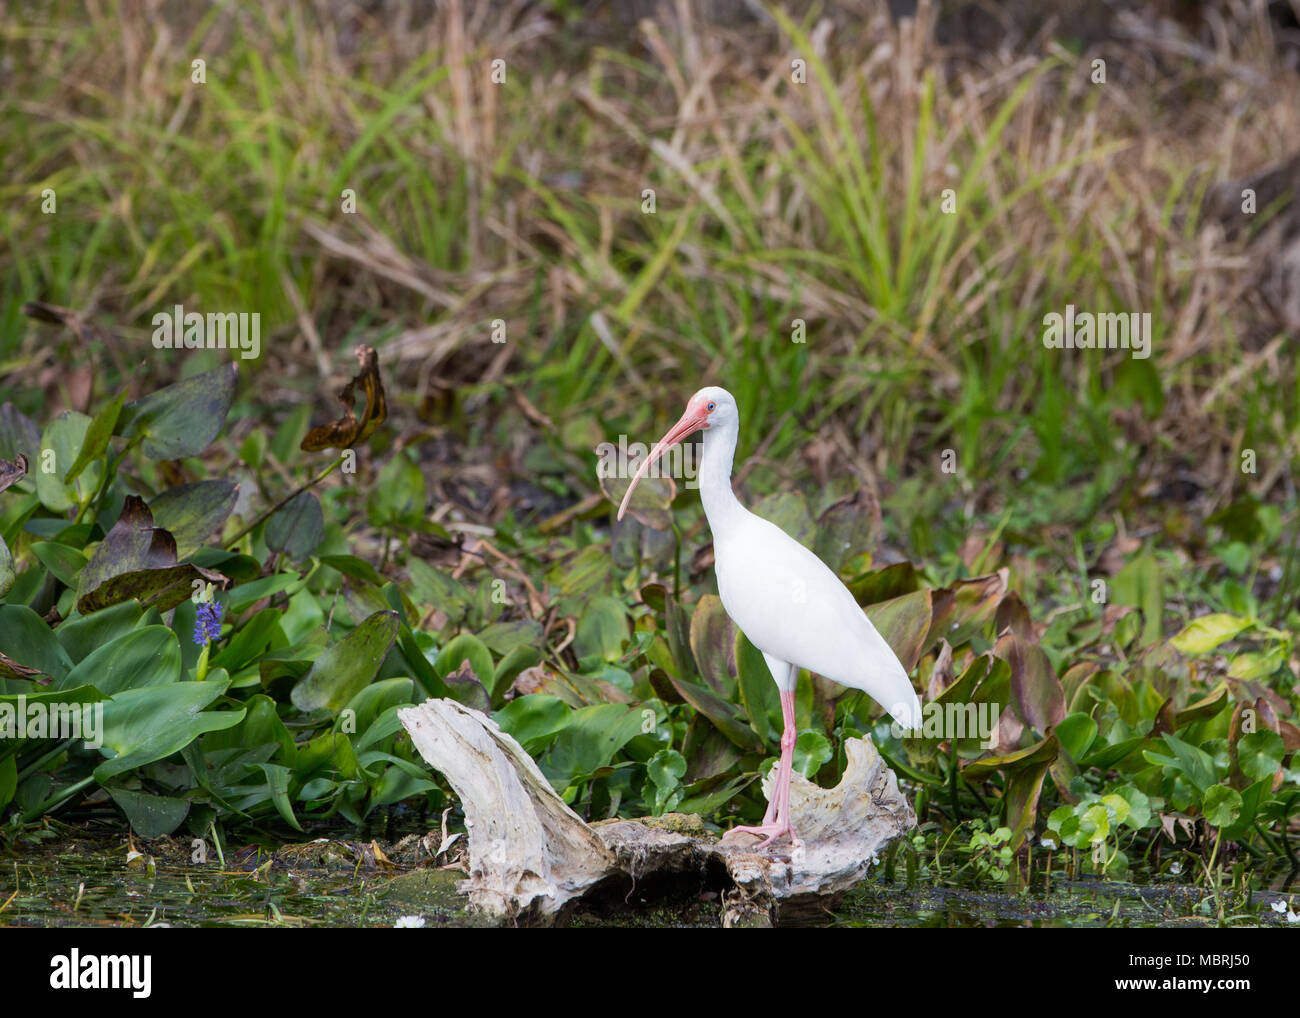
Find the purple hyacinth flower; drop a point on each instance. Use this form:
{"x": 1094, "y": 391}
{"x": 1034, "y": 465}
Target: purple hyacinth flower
{"x": 207, "y": 625}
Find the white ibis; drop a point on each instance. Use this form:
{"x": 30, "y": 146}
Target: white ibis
{"x": 785, "y": 599}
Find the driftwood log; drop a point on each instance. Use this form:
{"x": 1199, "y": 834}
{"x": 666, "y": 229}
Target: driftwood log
{"x": 532, "y": 859}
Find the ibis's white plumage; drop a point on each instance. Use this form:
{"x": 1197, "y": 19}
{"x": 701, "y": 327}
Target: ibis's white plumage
{"x": 785, "y": 599}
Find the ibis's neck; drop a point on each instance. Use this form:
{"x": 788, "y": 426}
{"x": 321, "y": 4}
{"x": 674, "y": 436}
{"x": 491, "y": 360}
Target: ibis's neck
{"x": 720, "y": 504}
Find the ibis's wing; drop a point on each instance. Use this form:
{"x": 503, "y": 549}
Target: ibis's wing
{"x": 792, "y": 606}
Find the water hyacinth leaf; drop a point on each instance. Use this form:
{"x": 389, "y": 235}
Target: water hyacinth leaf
{"x": 1141, "y": 585}
{"x": 713, "y": 644}
{"x": 19, "y": 435}
{"x": 903, "y": 622}
{"x": 885, "y": 584}
{"x": 60, "y": 446}
{"x": 8, "y": 780}
{"x": 162, "y": 589}
{"x": 510, "y": 667}
{"x": 758, "y": 692}
{"x": 589, "y": 741}
{"x": 965, "y": 609}
{"x": 723, "y": 715}
{"x": 193, "y": 512}
{"x": 464, "y": 687}
{"x": 143, "y": 657}
{"x": 1036, "y": 692}
{"x": 152, "y": 723}
{"x": 98, "y": 433}
{"x": 355, "y": 568}
{"x": 467, "y": 649}
{"x": 652, "y": 498}
{"x": 1205, "y": 708}
{"x": 1259, "y": 754}
{"x": 789, "y": 511}
{"x": 343, "y": 669}
{"x": 347, "y": 430}
{"x": 505, "y": 638}
{"x": 534, "y": 720}
{"x": 601, "y": 630}
{"x": 297, "y": 527}
{"x": 1076, "y": 733}
{"x": 65, "y": 563}
{"x": 277, "y": 784}
{"x": 7, "y": 574}
{"x": 438, "y": 589}
{"x": 1200, "y": 636}
{"x": 400, "y": 496}
{"x": 150, "y": 816}
{"x": 30, "y": 642}
{"x": 182, "y": 419}
{"x": 1196, "y": 764}
{"x": 847, "y": 528}
{"x": 250, "y": 640}
{"x": 261, "y": 726}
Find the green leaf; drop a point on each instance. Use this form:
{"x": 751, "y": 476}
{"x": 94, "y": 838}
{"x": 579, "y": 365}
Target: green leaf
{"x": 904, "y": 622}
{"x": 589, "y": 741}
{"x": 356, "y": 568}
{"x": 29, "y": 641}
{"x": 8, "y": 780}
{"x": 1221, "y": 806}
{"x": 151, "y": 723}
{"x": 1259, "y": 754}
{"x": 193, "y": 512}
{"x": 1076, "y": 733}
{"x": 150, "y": 816}
{"x": 1140, "y": 584}
{"x": 602, "y": 630}
{"x": 297, "y": 527}
{"x": 64, "y": 437}
{"x": 100, "y": 430}
{"x": 346, "y": 667}
{"x": 811, "y": 751}
{"x": 438, "y": 590}
{"x": 182, "y": 419}
{"x": 277, "y": 782}
{"x": 1200, "y": 636}
{"x": 144, "y": 657}
{"x": 64, "y": 562}
{"x": 713, "y": 645}
{"x": 399, "y": 497}
{"x": 758, "y": 691}
{"x": 467, "y": 648}
{"x": 1195, "y": 763}
{"x": 7, "y": 574}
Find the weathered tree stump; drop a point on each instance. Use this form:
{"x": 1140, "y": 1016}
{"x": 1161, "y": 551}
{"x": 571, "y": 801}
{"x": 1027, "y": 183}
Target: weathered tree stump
{"x": 531, "y": 858}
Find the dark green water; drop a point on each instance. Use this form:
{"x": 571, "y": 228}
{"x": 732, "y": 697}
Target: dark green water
{"x": 343, "y": 883}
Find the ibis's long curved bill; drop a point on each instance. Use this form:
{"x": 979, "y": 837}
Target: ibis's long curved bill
{"x": 692, "y": 421}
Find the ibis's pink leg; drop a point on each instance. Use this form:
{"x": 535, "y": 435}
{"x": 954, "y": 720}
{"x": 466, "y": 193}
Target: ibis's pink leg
{"x": 776, "y": 821}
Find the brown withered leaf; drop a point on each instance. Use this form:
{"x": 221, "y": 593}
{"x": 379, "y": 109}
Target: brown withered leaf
{"x": 11, "y": 669}
{"x": 12, "y": 473}
{"x": 347, "y": 431}
{"x": 138, "y": 560}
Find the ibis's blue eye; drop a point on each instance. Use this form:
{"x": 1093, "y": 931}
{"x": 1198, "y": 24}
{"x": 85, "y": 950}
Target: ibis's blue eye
{"x": 713, "y": 406}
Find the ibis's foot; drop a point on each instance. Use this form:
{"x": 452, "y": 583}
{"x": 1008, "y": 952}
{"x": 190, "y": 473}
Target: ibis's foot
{"x": 769, "y": 833}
